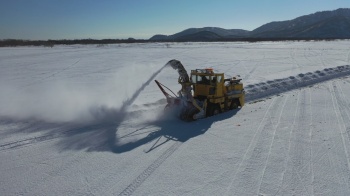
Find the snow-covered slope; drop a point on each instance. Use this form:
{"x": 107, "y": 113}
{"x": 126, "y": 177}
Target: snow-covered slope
{"x": 87, "y": 120}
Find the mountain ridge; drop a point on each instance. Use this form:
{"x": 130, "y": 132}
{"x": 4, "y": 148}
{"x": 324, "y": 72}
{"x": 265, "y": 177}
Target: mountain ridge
{"x": 323, "y": 24}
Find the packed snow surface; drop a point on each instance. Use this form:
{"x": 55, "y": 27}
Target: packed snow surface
{"x": 89, "y": 120}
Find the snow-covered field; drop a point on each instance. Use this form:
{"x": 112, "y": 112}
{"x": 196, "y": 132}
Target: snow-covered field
{"x": 88, "y": 120}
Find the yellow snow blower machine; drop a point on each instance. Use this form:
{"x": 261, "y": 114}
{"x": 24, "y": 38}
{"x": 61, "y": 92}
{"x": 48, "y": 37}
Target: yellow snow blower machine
{"x": 212, "y": 93}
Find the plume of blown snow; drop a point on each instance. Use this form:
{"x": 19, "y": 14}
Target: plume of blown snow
{"x": 66, "y": 101}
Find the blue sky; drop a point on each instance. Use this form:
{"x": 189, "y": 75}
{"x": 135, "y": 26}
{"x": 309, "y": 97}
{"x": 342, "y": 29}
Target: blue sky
{"x": 120, "y": 19}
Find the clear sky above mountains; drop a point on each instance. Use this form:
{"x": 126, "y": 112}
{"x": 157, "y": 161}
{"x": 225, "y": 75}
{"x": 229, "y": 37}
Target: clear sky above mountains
{"x": 141, "y": 19}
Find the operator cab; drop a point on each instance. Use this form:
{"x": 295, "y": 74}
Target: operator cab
{"x": 205, "y": 76}
{"x": 206, "y": 83}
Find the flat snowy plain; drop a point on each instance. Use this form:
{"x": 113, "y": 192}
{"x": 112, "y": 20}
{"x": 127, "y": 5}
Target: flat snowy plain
{"x": 88, "y": 120}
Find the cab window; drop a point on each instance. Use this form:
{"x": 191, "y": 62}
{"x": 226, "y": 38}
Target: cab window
{"x": 194, "y": 79}
{"x": 219, "y": 78}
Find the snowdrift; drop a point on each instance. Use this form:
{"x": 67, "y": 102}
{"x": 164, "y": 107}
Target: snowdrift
{"x": 277, "y": 86}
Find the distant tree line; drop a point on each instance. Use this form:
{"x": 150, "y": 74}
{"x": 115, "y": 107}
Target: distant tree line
{"x": 52, "y": 43}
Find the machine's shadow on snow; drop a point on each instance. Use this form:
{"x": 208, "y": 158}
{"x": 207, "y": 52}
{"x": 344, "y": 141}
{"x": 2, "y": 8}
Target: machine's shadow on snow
{"x": 165, "y": 131}
{"x": 150, "y": 135}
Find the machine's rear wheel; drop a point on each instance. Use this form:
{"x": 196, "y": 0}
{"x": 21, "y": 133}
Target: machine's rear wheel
{"x": 213, "y": 109}
{"x": 234, "y": 104}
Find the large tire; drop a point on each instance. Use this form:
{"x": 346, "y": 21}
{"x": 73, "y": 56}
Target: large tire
{"x": 191, "y": 113}
{"x": 213, "y": 109}
{"x": 188, "y": 113}
{"x": 234, "y": 104}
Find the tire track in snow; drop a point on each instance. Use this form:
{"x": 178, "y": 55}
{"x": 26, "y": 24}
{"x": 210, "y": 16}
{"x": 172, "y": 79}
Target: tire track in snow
{"x": 27, "y": 141}
{"x": 330, "y": 169}
{"x": 332, "y": 150}
{"x": 149, "y": 170}
{"x": 55, "y": 134}
{"x": 308, "y": 53}
{"x": 297, "y": 179}
{"x": 253, "y": 151}
{"x": 304, "y": 171}
{"x": 250, "y": 72}
{"x": 343, "y": 124}
{"x": 344, "y": 167}
{"x": 227, "y": 71}
{"x": 33, "y": 140}
{"x": 345, "y": 111}
{"x": 52, "y": 74}
{"x": 254, "y": 67}
{"x": 289, "y": 144}
{"x": 293, "y": 58}
{"x": 272, "y": 143}
{"x": 327, "y": 157}
{"x": 55, "y": 172}
{"x": 327, "y": 163}
{"x": 249, "y": 146}
{"x": 322, "y": 58}
{"x": 311, "y": 145}
{"x": 276, "y": 164}
{"x": 343, "y": 107}
{"x": 322, "y": 158}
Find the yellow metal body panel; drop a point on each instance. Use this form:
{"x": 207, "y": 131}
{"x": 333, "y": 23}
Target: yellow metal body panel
{"x": 241, "y": 99}
{"x": 211, "y": 86}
